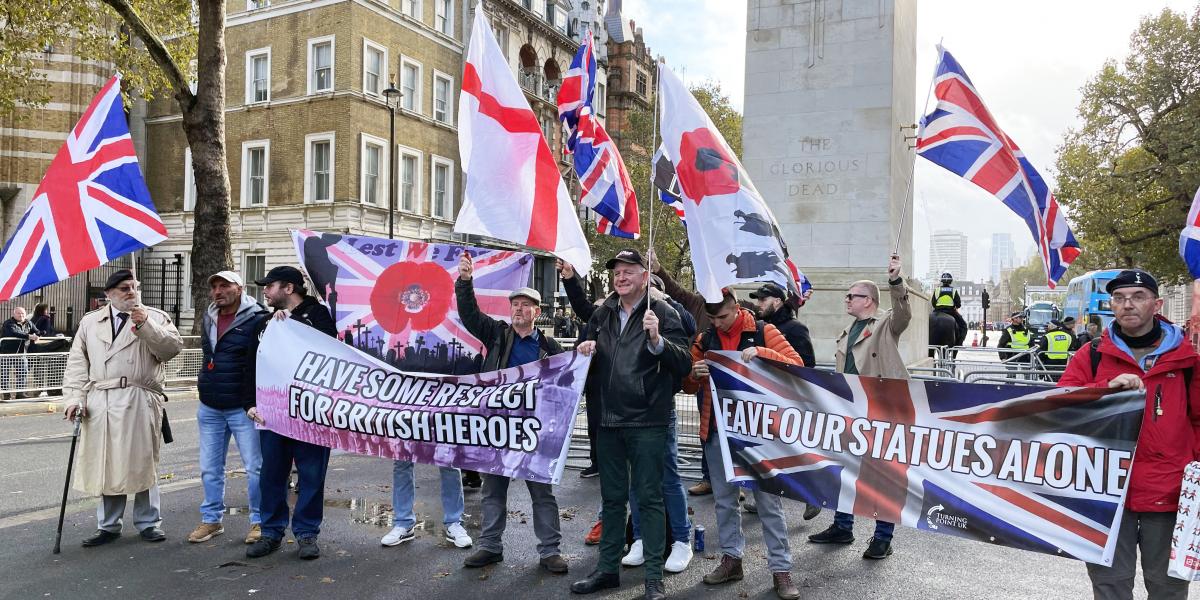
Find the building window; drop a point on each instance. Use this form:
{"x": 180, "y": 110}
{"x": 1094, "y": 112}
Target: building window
{"x": 320, "y": 65}
{"x": 318, "y": 167}
{"x": 257, "y": 4}
{"x": 548, "y": 131}
{"x": 443, "y": 16}
{"x": 374, "y": 161}
{"x": 254, "y": 267}
{"x": 374, "y": 61}
{"x": 641, "y": 83}
{"x": 442, "y": 104}
{"x": 256, "y": 173}
{"x": 501, "y": 38}
{"x": 189, "y": 181}
{"x": 441, "y": 192}
{"x": 258, "y": 75}
{"x": 411, "y": 8}
{"x": 599, "y": 101}
{"x": 410, "y": 175}
{"x": 410, "y": 85}
{"x": 550, "y": 11}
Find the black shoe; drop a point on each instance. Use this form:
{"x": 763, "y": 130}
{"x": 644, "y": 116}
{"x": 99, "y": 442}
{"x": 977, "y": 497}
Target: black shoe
{"x": 554, "y": 564}
{"x": 590, "y": 472}
{"x": 595, "y": 582}
{"x": 101, "y": 538}
{"x": 153, "y": 534}
{"x": 471, "y": 479}
{"x": 655, "y": 590}
{"x": 482, "y": 558}
{"x": 309, "y": 550}
{"x": 811, "y": 511}
{"x": 878, "y": 549}
{"x": 264, "y": 546}
{"x": 833, "y": 535}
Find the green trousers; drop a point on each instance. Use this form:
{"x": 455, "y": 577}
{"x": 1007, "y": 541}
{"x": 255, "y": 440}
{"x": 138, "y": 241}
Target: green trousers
{"x": 632, "y": 455}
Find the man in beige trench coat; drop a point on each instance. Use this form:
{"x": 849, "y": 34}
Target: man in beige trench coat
{"x": 114, "y": 378}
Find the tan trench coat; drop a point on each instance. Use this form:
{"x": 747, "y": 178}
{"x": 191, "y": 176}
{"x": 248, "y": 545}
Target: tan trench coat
{"x": 877, "y": 349}
{"x": 121, "y": 437}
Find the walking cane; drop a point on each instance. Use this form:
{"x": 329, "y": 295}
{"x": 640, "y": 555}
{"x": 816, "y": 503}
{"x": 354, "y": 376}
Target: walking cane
{"x": 62, "y": 509}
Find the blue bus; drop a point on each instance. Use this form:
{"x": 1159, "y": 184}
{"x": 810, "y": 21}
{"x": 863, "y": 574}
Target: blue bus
{"x": 1087, "y": 301}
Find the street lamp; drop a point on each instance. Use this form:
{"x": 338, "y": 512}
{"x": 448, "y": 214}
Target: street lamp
{"x": 392, "y": 97}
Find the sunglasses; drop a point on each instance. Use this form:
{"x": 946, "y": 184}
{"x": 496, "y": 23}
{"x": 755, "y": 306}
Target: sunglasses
{"x": 850, "y": 297}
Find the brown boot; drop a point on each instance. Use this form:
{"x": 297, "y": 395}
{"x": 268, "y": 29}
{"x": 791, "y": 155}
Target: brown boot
{"x": 703, "y": 488}
{"x": 730, "y": 569}
{"x": 784, "y": 588}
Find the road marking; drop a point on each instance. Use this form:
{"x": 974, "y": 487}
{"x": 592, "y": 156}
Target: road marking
{"x": 56, "y": 436}
{"x": 72, "y": 507}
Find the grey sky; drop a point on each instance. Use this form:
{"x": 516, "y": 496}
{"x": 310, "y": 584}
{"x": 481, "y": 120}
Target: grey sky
{"x": 1028, "y": 60}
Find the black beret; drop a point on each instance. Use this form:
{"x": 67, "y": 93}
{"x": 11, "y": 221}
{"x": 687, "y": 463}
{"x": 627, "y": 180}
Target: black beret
{"x": 116, "y": 278}
{"x": 1132, "y": 278}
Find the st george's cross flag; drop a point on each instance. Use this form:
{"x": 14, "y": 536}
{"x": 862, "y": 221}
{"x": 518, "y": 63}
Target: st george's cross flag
{"x": 1034, "y": 469}
{"x": 92, "y": 205}
{"x": 1189, "y": 238}
{"x": 733, "y": 235}
{"x": 513, "y": 189}
{"x": 603, "y": 180}
{"x": 961, "y": 136}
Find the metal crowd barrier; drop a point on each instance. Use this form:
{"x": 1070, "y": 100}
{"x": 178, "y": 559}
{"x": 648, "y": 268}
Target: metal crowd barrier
{"x": 30, "y": 374}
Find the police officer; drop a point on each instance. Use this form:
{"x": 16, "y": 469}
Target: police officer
{"x": 946, "y": 299}
{"x": 1055, "y": 346}
{"x": 1016, "y": 337}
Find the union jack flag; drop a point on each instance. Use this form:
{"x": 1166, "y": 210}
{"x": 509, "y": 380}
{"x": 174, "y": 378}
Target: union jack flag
{"x": 920, "y": 480}
{"x": 395, "y": 299}
{"x": 961, "y": 136}
{"x": 605, "y": 183}
{"x": 92, "y": 205}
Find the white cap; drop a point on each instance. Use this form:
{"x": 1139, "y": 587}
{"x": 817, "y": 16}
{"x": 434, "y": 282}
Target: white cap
{"x": 229, "y": 276}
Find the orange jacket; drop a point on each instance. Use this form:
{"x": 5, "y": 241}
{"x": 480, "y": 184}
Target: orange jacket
{"x": 775, "y": 347}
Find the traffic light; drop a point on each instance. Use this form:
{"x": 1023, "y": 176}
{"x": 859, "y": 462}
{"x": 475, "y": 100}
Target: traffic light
{"x": 986, "y": 300}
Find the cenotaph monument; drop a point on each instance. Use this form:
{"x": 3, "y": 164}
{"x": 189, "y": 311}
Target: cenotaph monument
{"x": 830, "y": 87}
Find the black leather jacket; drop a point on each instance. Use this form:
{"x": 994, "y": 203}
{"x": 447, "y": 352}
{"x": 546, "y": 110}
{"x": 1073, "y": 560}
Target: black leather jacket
{"x": 635, "y": 387}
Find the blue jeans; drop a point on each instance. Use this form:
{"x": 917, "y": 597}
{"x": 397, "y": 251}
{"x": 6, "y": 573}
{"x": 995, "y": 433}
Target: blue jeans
{"x": 674, "y": 497}
{"x": 402, "y": 494}
{"x": 312, "y": 461}
{"x": 883, "y": 529}
{"x": 216, "y": 426}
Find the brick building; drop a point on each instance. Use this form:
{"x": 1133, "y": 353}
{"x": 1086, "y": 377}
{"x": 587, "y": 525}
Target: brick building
{"x": 632, "y": 76}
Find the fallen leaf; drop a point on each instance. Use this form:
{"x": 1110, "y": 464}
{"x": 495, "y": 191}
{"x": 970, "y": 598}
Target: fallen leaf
{"x": 441, "y": 575}
{"x": 327, "y": 580}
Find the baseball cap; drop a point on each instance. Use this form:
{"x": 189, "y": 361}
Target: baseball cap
{"x": 769, "y": 290}
{"x": 229, "y": 276}
{"x": 628, "y": 255}
{"x": 285, "y": 274}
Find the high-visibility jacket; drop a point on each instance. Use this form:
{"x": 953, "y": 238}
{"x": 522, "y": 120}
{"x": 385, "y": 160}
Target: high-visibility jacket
{"x": 1019, "y": 339}
{"x": 945, "y": 298}
{"x": 1058, "y": 345}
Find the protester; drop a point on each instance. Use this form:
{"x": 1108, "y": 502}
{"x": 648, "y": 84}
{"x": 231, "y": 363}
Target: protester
{"x": 114, "y": 382}
{"x": 639, "y": 358}
{"x": 870, "y": 346}
{"x": 283, "y": 287}
{"x": 228, "y": 335}
{"x": 510, "y": 346}
{"x": 735, "y": 328}
{"x": 1069, "y": 327}
{"x": 21, "y": 333}
{"x": 43, "y": 320}
{"x": 1140, "y": 350}
{"x": 1091, "y": 331}
{"x": 773, "y": 307}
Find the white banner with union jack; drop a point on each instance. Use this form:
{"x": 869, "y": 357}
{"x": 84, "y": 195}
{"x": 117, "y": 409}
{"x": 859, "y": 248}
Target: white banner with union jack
{"x": 1037, "y": 469}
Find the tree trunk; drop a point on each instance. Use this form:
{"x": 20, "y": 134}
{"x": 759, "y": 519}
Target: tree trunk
{"x": 204, "y": 124}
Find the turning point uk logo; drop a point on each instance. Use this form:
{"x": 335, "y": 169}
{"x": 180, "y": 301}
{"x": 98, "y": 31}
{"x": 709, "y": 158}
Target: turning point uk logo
{"x": 935, "y": 517}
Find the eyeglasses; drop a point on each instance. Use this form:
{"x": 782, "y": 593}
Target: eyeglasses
{"x": 1136, "y": 299}
{"x": 851, "y": 297}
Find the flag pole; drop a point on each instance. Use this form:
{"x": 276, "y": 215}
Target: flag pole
{"x": 653, "y": 147}
{"x": 908, "y": 190}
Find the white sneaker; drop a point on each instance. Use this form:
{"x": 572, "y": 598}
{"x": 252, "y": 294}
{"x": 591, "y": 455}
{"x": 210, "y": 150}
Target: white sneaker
{"x": 634, "y": 558}
{"x": 457, "y": 534}
{"x": 398, "y": 535}
{"x": 680, "y": 558}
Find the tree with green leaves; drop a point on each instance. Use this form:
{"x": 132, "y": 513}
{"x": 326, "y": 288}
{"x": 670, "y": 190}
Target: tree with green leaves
{"x": 1127, "y": 174}
{"x": 153, "y": 45}
{"x": 670, "y": 235}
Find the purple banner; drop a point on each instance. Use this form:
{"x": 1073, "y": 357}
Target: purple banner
{"x": 515, "y": 422}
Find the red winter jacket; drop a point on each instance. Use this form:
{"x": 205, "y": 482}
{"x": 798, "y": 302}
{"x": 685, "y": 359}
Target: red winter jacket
{"x": 1167, "y": 443}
